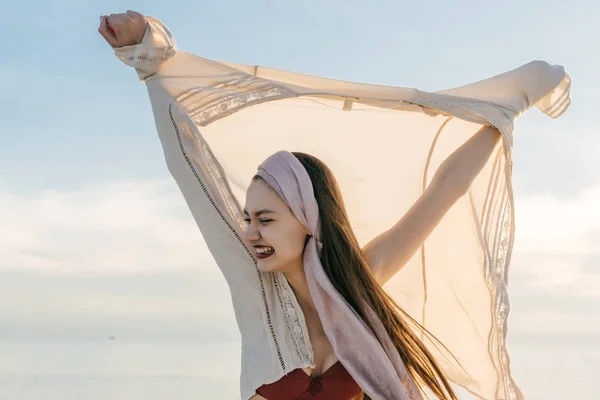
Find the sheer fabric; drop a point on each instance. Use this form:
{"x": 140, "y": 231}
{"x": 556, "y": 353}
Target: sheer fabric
{"x": 217, "y": 121}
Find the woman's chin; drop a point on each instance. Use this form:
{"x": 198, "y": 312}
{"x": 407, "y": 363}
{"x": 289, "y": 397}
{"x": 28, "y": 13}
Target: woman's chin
{"x": 266, "y": 265}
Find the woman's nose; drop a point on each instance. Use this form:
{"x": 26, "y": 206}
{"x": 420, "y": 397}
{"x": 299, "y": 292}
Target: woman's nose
{"x": 251, "y": 233}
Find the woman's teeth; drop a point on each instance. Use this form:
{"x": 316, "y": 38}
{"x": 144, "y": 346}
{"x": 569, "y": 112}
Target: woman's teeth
{"x": 265, "y": 250}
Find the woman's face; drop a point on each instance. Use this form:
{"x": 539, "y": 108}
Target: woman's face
{"x": 271, "y": 224}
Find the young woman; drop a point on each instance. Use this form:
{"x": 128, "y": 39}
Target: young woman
{"x": 315, "y": 320}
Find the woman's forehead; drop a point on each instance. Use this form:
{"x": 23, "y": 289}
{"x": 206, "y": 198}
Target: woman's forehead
{"x": 262, "y": 196}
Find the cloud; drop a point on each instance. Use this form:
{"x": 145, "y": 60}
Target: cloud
{"x": 145, "y": 226}
{"x": 116, "y": 227}
{"x": 560, "y": 226}
{"x": 123, "y": 259}
{"x": 557, "y": 243}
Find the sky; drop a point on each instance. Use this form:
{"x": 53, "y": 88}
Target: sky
{"x": 95, "y": 237}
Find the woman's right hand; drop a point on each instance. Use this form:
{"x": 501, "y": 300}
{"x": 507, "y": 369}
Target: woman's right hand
{"x": 123, "y": 29}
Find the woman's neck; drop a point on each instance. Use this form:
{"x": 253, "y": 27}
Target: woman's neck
{"x": 299, "y": 285}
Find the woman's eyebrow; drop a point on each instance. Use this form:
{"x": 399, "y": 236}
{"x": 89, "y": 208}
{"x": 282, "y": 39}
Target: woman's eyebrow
{"x": 259, "y": 212}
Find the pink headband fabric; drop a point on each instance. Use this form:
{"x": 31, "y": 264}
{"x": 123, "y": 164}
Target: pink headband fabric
{"x": 378, "y": 370}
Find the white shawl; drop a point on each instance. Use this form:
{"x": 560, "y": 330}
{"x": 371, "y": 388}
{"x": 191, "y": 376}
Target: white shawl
{"x": 217, "y": 121}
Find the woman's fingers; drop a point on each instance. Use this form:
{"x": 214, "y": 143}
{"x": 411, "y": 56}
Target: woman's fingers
{"x": 123, "y": 29}
{"x": 107, "y": 33}
{"x": 130, "y": 15}
{"x": 134, "y": 14}
{"x": 114, "y": 22}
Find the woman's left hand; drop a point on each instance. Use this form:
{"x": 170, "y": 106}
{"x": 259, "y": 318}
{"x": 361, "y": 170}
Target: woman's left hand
{"x": 123, "y": 29}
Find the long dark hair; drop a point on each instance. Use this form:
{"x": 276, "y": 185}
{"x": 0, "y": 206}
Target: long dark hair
{"x": 348, "y": 270}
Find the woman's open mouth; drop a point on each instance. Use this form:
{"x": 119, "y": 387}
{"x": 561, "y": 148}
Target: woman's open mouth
{"x": 264, "y": 252}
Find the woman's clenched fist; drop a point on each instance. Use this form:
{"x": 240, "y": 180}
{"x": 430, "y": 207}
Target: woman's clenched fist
{"x": 123, "y": 29}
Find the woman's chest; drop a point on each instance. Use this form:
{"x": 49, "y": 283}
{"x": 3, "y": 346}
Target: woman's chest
{"x": 324, "y": 356}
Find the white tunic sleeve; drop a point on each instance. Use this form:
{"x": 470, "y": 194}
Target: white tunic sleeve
{"x": 158, "y": 45}
{"x": 189, "y": 158}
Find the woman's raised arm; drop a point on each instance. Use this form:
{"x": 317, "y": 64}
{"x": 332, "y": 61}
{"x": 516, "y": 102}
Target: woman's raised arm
{"x": 388, "y": 252}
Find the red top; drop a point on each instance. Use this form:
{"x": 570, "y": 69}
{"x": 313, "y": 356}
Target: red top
{"x": 334, "y": 384}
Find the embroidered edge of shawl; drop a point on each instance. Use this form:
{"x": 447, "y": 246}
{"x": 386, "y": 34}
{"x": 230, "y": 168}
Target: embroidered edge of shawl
{"x": 496, "y": 272}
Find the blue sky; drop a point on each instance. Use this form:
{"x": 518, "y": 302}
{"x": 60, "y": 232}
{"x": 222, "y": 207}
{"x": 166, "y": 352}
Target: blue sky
{"x": 73, "y": 114}
{"x": 93, "y": 228}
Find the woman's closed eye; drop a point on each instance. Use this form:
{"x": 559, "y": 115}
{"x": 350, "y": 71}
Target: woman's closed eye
{"x": 262, "y": 221}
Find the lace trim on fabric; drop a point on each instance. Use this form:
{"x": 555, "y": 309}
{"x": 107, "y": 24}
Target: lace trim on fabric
{"x": 501, "y": 299}
{"x": 294, "y": 317}
{"x": 229, "y": 104}
{"x": 560, "y": 103}
{"x": 496, "y": 272}
{"x": 141, "y": 55}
